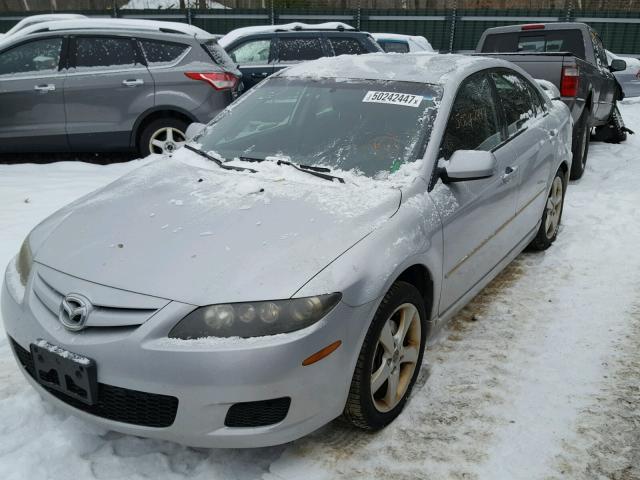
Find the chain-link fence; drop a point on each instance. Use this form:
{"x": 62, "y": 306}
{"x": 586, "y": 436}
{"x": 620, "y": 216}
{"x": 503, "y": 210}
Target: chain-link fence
{"x": 450, "y": 25}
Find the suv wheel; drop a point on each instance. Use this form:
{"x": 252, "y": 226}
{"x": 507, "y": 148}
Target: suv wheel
{"x": 162, "y": 136}
{"x": 389, "y": 360}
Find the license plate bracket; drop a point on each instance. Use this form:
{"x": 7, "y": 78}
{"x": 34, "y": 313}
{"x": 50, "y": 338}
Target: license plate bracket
{"x": 66, "y": 372}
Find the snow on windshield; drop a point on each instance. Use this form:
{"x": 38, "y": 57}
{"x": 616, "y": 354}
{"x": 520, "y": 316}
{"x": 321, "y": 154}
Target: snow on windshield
{"x": 369, "y": 127}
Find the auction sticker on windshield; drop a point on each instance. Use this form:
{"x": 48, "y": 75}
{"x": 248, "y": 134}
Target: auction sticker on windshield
{"x": 393, "y": 98}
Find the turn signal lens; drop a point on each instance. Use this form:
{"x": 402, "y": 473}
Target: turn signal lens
{"x": 218, "y": 80}
{"x": 325, "y": 352}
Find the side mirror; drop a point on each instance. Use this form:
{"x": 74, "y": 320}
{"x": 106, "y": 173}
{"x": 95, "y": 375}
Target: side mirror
{"x": 467, "y": 165}
{"x": 194, "y": 130}
{"x": 617, "y": 65}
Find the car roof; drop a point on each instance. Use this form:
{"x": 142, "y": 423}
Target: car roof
{"x": 239, "y": 33}
{"x": 115, "y": 24}
{"x": 421, "y": 68}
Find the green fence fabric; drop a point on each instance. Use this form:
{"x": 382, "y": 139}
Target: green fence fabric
{"x": 448, "y": 30}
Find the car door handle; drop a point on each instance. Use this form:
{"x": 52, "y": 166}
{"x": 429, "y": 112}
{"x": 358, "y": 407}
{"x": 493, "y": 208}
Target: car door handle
{"x": 47, "y": 87}
{"x": 134, "y": 82}
{"x": 259, "y": 75}
{"x": 509, "y": 174}
{"x": 553, "y": 132}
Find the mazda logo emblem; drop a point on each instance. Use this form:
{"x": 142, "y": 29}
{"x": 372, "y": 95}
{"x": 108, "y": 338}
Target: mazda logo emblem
{"x": 74, "y": 311}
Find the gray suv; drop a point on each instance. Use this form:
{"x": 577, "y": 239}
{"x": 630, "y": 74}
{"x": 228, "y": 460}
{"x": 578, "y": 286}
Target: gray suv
{"x": 109, "y": 85}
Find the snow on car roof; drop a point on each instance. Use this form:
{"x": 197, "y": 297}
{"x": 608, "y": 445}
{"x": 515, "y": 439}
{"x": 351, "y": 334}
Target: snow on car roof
{"x": 234, "y": 35}
{"x": 114, "y": 24}
{"x": 419, "y": 41}
{"x": 434, "y": 69}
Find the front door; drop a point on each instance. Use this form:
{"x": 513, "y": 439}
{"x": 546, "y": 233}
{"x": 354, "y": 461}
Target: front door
{"x": 475, "y": 214}
{"x": 106, "y": 90}
{"x": 31, "y": 83}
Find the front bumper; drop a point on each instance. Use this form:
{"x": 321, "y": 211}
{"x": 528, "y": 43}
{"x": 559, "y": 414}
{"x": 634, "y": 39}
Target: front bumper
{"x": 207, "y": 377}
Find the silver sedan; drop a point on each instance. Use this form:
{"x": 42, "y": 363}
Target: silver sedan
{"x": 289, "y": 263}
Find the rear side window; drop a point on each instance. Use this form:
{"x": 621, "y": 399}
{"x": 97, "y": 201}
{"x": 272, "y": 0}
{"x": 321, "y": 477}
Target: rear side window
{"x": 539, "y": 41}
{"x": 40, "y": 56}
{"x": 395, "y": 47}
{"x": 292, "y": 49}
{"x": 105, "y": 52}
{"x": 473, "y": 123}
{"x": 253, "y": 52}
{"x": 346, "y": 46}
{"x": 158, "y": 53}
{"x": 515, "y": 96}
{"x": 219, "y": 55}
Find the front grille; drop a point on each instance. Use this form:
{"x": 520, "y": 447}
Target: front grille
{"x": 115, "y": 403}
{"x": 257, "y": 414}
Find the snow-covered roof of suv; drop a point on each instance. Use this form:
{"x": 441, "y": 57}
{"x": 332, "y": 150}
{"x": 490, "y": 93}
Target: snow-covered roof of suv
{"x": 234, "y": 35}
{"x": 114, "y": 24}
{"x": 416, "y": 43}
{"x": 426, "y": 68}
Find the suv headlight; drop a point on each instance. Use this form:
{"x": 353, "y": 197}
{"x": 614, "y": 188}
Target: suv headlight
{"x": 24, "y": 261}
{"x": 254, "y": 319}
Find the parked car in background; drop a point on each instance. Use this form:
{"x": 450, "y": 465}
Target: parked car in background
{"x": 397, "y": 43}
{"x": 34, "y": 19}
{"x": 259, "y": 315}
{"x": 261, "y": 50}
{"x": 572, "y": 57}
{"x": 629, "y": 78}
{"x": 109, "y": 85}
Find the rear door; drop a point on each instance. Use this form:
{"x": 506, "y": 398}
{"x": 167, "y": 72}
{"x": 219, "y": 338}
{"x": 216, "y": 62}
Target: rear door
{"x": 107, "y": 88}
{"x": 532, "y": 141}
{"x": 254, "y": 56}
{"x": 32, "y": 114}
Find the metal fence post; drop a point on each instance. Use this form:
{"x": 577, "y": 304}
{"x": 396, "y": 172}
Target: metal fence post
{"x": 358, "y": 15}
{"x": 452, "y": 32}
{"x": 272, "y": 13}
{"x": 568, "y": 15}
{"x": 189, "y": 15}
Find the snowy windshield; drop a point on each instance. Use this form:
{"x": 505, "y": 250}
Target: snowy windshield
{"x": 372, "y": 127}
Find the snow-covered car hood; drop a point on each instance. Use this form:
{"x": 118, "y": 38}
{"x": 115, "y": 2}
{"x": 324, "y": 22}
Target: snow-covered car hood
{"x": 201, "y": 235}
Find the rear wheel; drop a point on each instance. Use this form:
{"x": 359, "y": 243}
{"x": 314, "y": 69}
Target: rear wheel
{"x": 552, "y": 214}
{"x": 580, "y": 146}
{"x": 162, "y": 136}
{"x": 614, "y": 131}
{"x": 390, "y": 359}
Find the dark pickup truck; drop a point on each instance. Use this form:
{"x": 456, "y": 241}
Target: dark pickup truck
{"x": 572, "y": 57}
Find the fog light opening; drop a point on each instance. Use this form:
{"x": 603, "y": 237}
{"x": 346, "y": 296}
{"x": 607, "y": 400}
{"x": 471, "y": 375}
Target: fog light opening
{"x": 326, "y": 351}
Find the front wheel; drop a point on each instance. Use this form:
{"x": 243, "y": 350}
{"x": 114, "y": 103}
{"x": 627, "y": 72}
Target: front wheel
{"x": 551, "y": 215}
{"x": 614, "y": 131}
{"x": 389, "y": 360}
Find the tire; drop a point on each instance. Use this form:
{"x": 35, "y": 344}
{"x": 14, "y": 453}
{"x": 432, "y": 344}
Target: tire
{"x": 614, "y": 131}
{"x": 372, "y": 411}
{"x": 158, "y": 130}
{"x": 552, "y": 214}
{"x": 580, "y": 146}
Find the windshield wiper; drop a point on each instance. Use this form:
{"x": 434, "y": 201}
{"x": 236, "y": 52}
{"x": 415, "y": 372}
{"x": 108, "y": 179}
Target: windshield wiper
{"x": 310, "y": 169}
{"x": 218, "y": 161}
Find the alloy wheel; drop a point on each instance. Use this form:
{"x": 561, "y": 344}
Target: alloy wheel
{"x": 166, "y": 140}
{"x": 554, "y": 208}
{"x": 395, "y": 358}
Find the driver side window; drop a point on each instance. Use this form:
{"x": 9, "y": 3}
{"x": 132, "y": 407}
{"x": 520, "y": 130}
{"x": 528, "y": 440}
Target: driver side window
{"x": 473, "y": 122}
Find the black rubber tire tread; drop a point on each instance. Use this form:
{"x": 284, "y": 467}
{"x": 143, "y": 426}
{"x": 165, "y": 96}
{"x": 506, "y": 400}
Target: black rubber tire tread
{"x": 153, "y": 126}
{"x": 359, "y": 410}
{"x": 540, "y": 241}
{"x": 578, "y": 164}
{"x": 613, "y": 131}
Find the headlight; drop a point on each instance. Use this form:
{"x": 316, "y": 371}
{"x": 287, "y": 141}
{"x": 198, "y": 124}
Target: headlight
{"x": 254, "y": 319}
{"x": 24, "y": 261}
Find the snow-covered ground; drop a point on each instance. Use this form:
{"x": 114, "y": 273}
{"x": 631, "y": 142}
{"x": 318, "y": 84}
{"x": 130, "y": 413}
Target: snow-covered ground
{"x": 539, "y": 377}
